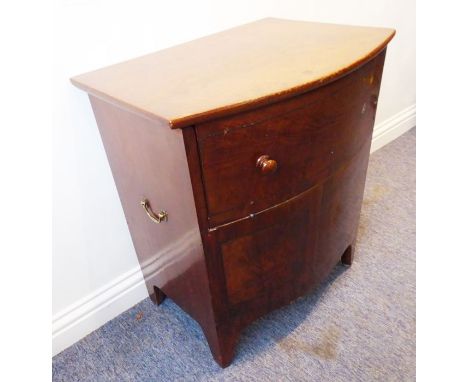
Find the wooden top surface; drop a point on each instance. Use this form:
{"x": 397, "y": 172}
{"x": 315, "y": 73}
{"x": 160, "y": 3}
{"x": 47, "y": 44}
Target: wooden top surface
{"x": 237, "y": 69}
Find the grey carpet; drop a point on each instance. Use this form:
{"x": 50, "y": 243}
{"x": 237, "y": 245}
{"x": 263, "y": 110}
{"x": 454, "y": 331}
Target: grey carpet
{"x": 359, "y": 326}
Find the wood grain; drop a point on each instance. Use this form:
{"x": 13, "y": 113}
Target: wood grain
{"x": 244, "y": 67}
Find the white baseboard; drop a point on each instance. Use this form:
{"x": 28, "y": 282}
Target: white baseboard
{"x": 390, "y": 129}
{"x": 91, "y": 312}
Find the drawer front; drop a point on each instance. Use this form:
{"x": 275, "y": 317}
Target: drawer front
{"x": 255, "y": 160}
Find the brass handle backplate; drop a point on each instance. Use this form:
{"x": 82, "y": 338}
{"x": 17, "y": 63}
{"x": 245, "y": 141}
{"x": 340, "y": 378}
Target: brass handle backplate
{"x": 157, "y": 218}
{"x": 267, "y": 165}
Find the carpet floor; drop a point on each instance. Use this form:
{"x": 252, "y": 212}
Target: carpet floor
{"x": 358, "y": 326}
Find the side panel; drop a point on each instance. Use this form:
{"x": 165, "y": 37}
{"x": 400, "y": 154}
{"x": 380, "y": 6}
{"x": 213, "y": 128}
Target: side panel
{"x": 148, "y": 161}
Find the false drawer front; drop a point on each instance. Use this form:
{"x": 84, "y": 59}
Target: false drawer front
{"x": 254, "y": 160}
{"x": 267, "y": 258}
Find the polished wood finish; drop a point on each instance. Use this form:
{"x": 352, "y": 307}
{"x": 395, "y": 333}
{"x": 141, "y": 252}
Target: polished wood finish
{"x": 263, "y": 197}
{"x": 305, "y": 135}
{"x": 234, "y": 70}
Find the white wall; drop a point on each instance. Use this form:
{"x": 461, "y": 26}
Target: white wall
{"x": 95, "y": 269}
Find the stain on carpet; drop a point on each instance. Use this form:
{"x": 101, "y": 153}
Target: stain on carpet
{"x": 377, "y": 192}
{"x": 324, "y": 347}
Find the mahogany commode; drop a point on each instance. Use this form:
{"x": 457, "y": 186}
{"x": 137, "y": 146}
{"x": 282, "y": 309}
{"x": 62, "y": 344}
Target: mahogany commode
{"x": 240, "y": 160}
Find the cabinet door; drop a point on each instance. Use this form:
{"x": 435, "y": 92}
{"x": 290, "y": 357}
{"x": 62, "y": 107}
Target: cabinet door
{"x": 266, "y": 258}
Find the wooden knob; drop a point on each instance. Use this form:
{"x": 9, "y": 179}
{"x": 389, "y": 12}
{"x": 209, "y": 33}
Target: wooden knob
{"x": 267, "y": 165}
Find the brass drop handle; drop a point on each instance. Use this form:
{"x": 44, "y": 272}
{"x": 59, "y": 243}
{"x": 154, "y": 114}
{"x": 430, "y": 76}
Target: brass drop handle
{"x": 267, "y": 165}
{"x": 157, "y": 218}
